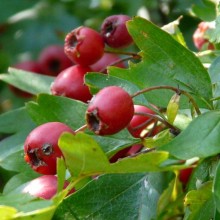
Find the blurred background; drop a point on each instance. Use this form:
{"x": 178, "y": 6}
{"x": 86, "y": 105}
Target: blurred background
{"x": 28, "y": 26}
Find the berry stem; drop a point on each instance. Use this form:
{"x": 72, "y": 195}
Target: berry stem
{"x": 132, "y": 54}
{"x": 177, "y": 90}
{"x": 173, "y": 128}
{"x": 82, "y": 128}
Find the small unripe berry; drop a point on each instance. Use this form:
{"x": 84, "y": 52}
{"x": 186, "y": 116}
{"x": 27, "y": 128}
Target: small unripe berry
{"x": 84, "y": 46}
{"x": 109, "y": 111}
{"x": 114, "y": 31}
{"x": 70, "y": 83}
{"x": 41, "y": 148}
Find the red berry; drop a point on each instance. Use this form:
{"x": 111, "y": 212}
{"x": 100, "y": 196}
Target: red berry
{"x": 44, "y": 187}
{"x": 199, "y": 37}
{"x": 185, "y": 174}
{"x": 53, "y": 60}
{"x": 84, "y": 46}
{"x": 139, "y": 122}
{"x": 109, "y": 111}
{"x": 107, "y": 60}
{"x": 128, "y": 151}
{"x": 41, "y": 147}
{"x": 114, "y": 31}
{"x": 31, "y": 66}
{"x": 70, "y": 83}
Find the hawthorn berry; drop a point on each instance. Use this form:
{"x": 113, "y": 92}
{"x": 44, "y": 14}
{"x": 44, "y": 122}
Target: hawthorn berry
{"x": 199, "y": 36}
{"x": 44, "y": 187}
{"x": 109, "y": 111}
{"x": 126, "y": 152}
{"x": 114, "y": 31}
{"x": 185, "y": 175}
{"x": 70, "y": 83}
{"x": 84, "y": 46}
{"x": 107, "y": 60}
{"x": 41, "y": 148}
{"x": 53, "y": 60}
{"x": 28, "y": 65}
{"x": 139, "y": 122}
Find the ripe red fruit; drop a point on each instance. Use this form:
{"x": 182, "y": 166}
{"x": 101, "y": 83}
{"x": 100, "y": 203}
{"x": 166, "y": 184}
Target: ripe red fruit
{"x": 185, "y": 174}
{"x": 139, "y": 122}
{"x": 44, "y": 187}
{"x": 107, "y": 60}
{"x": 114, "y": 31}
{"x": 109, "y": 111}
{"x": 41, "y": 147}
{"x": 199, "y": 37}
{"x": 53, "y": 60}
{"x": 70, "y": 83}
{"x": 128, "y": 151}
{"x": 84, "y": 46}
{"x": 31, "y": 66}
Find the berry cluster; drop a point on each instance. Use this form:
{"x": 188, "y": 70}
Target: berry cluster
{"x": 85, "y": 48}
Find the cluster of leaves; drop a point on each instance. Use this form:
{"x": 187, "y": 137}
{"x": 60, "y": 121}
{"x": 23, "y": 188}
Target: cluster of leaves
{"x": 145, "y": 186}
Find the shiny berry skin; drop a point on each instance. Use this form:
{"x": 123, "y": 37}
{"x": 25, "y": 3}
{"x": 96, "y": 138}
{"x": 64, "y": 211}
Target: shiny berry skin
{"x": 114, "y": 31}
{"x": 107, "y": 60}
{"x": 70, "y": 83}
{"x": 109, "y": 111}
{"x": 41, "y": 148}
{"x": 84, "y": 46}
{"x": 53, "y": 60}
{"x": 30, "y": 66}
{"x": 138, "y": 120}
{"x": 44, "y": 187}
{"x": 199, "y": 37}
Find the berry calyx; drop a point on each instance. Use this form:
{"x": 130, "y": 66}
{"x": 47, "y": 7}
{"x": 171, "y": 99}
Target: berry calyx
{"x": 53, "y": 60}
{"x": 84, "y": 46}
{"x": 70, "y": 83}
{"x": 114, "y": 31}
{"x": 44, "y": 187}
{"x": 140, "y": 122}
{"x": 109, "y": 111}
{"x": 41, "y": 148}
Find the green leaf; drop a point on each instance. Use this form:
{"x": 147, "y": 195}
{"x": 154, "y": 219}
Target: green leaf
{"x": 17, "y": 124}
{"x": 205, "y": 9}
{"x": 165, "y": 62}
{"x": 28, "y": 81}
{"x": 84, "y": 157}
{"x": 118, "y": 196}
{"x": 200, "y": 203}
{"x": 7, "y": 212}
{"x": 56, "y": 108}
{"x": 170, "y": 202}
{"x": 216, "y": 187}
{"x": 200, "y": 139}
{"x": 13, "y": 186}
{"x": 213, "y": 33}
